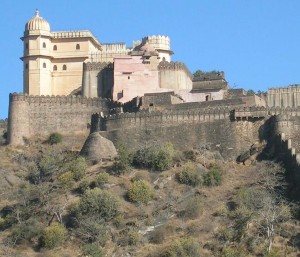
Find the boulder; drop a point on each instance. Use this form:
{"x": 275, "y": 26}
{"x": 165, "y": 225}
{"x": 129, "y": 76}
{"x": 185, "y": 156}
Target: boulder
{"x": 97, "y": 148}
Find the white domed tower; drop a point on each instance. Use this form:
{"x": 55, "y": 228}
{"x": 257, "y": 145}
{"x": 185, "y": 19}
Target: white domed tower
{"x": 36, "y": 57}
{"x": 161, "y": 44}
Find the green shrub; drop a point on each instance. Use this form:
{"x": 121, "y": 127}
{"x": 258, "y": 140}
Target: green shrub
{"x": 184, "y": 247}
{"x": 66, "y": 180}
{"x": 232, "y": 252}
{"x": 134, "y": 238}
{"x": 78, "y": 167}
{"x": 189, "y": 175}
{"x": 55, "y": 138}
{"x": 92, "y": 250}
{"x": 29, "y": 231}
{"x": 140, "y": 191}
{"x": 123, "y": 162}
{"x": 155, "y": 157}
{"x": 100, "y": 203}
{"x": 213, "y": 177}
{"x": 84, "y": 185}
{"x": 102, "y": 179}
{"x": 54, "y": 236}
{"x": 93, "y": 230}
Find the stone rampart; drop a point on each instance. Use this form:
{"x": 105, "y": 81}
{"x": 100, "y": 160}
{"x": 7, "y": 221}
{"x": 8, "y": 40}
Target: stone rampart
{"x": 42, "y": 115}
{"x": 286, "y": 154}
{"x": 162, "y": 119}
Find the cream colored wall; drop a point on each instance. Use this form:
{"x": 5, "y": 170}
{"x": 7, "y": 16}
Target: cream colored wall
{"x": 175, "y": 79}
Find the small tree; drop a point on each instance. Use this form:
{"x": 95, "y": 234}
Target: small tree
{"x": 140, "y": 191}
{"x": 54, "y": 235}
{"x": 102, "y": 179}
{"x": 92, "y": 250}
{"x": 189, "y": 175}
{"x": 213, "y": 177}
{"x": 100, "y": 203}
{"x": 55, "y": 138}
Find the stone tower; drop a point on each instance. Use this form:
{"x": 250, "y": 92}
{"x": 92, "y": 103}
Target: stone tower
{"x": 36, "y": 57}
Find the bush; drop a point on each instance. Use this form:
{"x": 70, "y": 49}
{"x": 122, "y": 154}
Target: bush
{"x": 29, "y": 231}
{"x": 213, "y": 177}
{"x": 156, "y": 157}
{"x": 55, "y": 138}
{"x": 78, "y": 167}
{"x": 192, "y": 208}
{"x": 123, "y": 162}
{"x": 134, "y": 238}
{"x": 183, "y": 247}
{"x": 83, "y": 186}
{"x": 54, "y": 236}
{"x": 140, "y": 191}
{"x": 189, "y": 175}
{"x": 92, "y": 230}
{"x": 102, "y": 179}
{"x": 232, "y": 252}
{"x": 100, "y": 203}
{"x": 92, "y": 250}
{"x": 66, "y": 180}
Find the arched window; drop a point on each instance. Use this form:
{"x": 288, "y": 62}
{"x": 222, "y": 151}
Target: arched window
{"x": 77, "y": 47}
{"x": 64, "y": 67}
{"x": 55, "y": 68}
{"x": 26, "y": 66}
{"x": 44, "y": 65}
{"x": 44, "y": 45}
{"x": 55, "y": 48}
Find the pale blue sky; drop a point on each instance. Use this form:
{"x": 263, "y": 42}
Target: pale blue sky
{"x": 256, "y": 42}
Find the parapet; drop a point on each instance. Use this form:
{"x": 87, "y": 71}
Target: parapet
{"x": 59, "y": 99}
{"x": 164, "y": 65}
{"x": 91, "y": 66}
{"x": 159, "y": 42}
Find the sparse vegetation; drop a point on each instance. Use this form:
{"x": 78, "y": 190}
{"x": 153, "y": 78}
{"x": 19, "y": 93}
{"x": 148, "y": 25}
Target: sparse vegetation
{"x": 229, "y": 220}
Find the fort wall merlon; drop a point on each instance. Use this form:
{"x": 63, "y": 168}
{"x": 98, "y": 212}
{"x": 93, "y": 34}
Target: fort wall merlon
{"x": 42, "y": 115}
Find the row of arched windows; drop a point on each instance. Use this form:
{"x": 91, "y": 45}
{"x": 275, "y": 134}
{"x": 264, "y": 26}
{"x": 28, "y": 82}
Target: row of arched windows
{"x": 64, "y": 67}
{"x": 55, "y": 47}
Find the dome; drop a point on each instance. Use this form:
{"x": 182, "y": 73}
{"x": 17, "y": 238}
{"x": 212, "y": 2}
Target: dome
{"x": 37, "y": 23}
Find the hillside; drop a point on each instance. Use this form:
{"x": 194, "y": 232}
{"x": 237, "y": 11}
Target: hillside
{"x": 160, "y": 203}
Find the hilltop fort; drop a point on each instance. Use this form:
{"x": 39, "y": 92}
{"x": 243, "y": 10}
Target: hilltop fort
{"x": 135, "y": 95}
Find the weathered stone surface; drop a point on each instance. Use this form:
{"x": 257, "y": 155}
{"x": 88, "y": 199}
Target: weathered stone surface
{"x": 97, "y": 148}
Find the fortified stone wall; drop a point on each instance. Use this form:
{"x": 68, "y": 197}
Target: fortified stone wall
{"x": 42, "y": 115}
{"x": 210, "y": 128}
{"x": 97, "y": 79}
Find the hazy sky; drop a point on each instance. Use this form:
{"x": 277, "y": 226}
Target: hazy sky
{"x": 255, "y": 42}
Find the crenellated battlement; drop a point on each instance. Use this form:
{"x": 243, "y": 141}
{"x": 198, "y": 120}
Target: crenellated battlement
{"x": 158, "y": 42}
{"x": 97, "y": 66}
{"x": 71, "y": 100}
